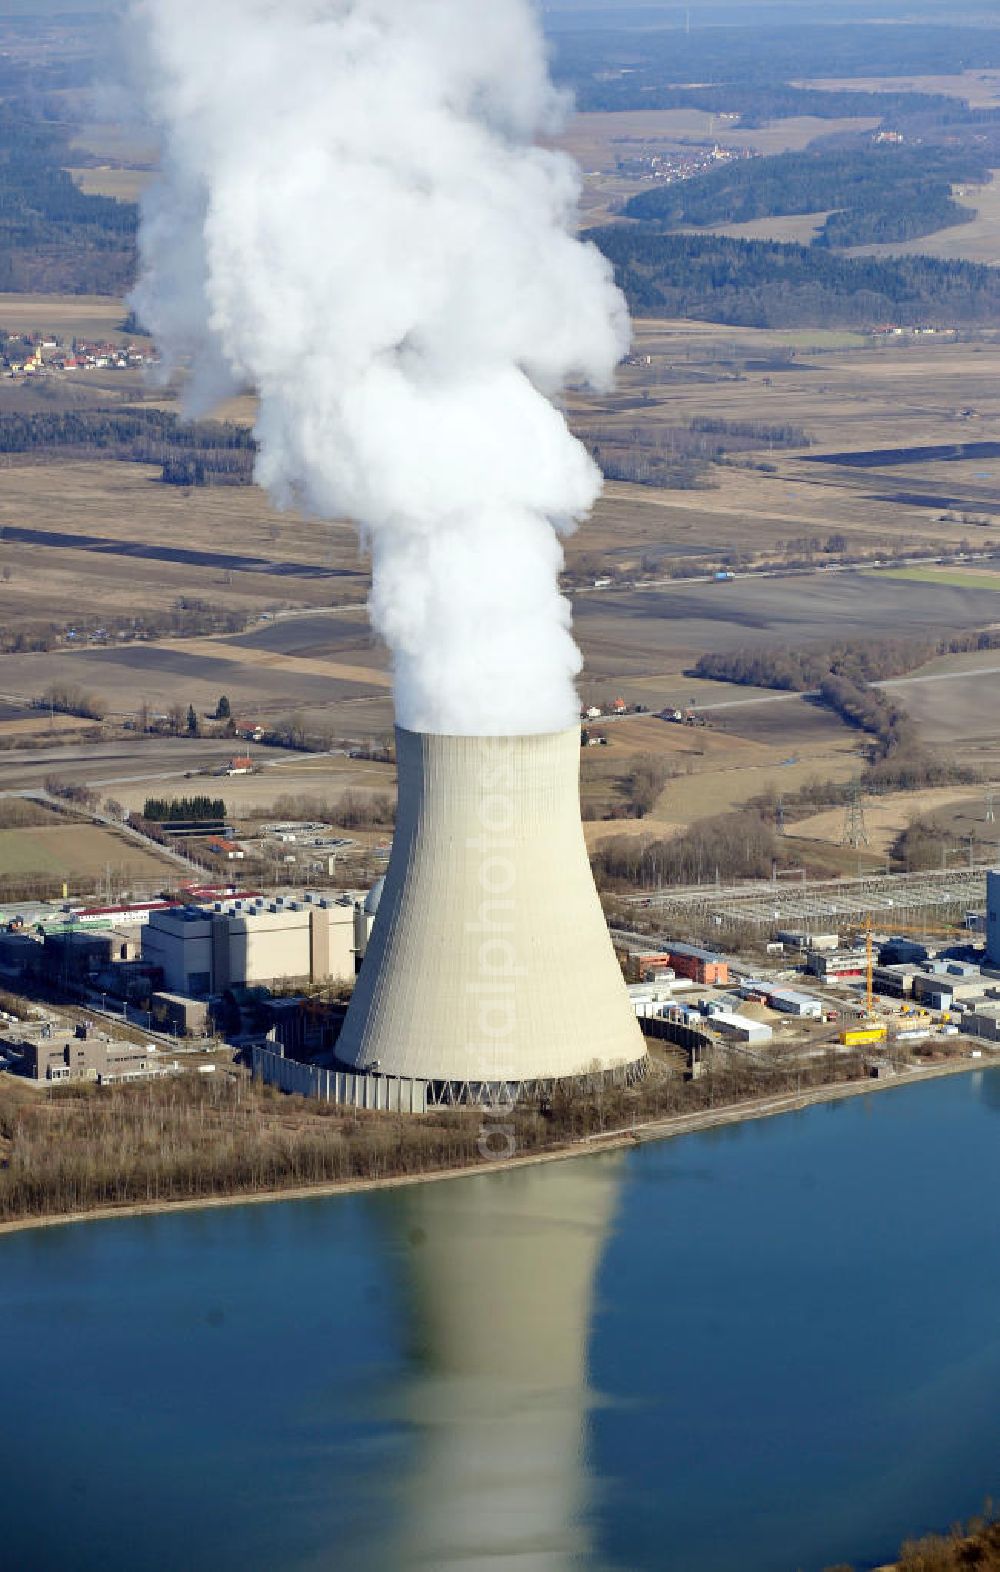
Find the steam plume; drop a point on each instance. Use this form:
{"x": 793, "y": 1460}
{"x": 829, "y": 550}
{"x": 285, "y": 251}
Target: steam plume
{"x": 354, "y": 220}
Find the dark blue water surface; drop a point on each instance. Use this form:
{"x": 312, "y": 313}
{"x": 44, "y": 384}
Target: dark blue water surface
{"x": 762, "y": 1349}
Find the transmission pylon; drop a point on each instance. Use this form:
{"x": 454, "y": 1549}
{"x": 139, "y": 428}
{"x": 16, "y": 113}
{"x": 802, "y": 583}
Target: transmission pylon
{"x": 855, "y": 829}
{"x": 990, "y": 812}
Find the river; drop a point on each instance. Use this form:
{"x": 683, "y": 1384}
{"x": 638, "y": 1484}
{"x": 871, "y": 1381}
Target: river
{"x": 768, "y": 1347}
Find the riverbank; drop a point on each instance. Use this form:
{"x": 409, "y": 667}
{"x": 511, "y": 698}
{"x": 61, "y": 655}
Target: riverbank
{"x": 658, "y": 1129}
{"x": 974, "y": 1547}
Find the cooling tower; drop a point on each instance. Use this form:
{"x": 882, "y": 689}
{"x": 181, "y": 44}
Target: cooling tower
{"x": 490, "y": 962}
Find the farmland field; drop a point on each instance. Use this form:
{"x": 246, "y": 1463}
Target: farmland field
{"x": 91, "y": 538}
{"x": 847, "y": 394}
{"x": 108, "y": 766}
{"x": 198, "y": 672}
{"x": 71, "y": 532}
{"x": 638, "y": 640}
{"x": 957, "y": 708}
{"x": 961, "y": 578}
{"x": 965, "y": 817}
{"x": 719, "y": 768}
{"x": 636, "y": 632}
{"x": 222, "y": 545}
{"x": 22, "y": 725}
{"x": 117, "y": 144}
{"x": 796, "y": 229}
{"x": 286, "y": 775}
{"x": 597, "y": 140}
{"x": 981, "y": 89}
{"x": 78, "y": 852}
{"x": 886, "y": 817}
{"x": 978, "y": 240}
{"x": 125, "y": 185}
{"x": 86, "y": 316}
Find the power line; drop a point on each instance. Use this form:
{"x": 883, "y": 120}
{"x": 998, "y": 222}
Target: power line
{"x": 855, "y": 829}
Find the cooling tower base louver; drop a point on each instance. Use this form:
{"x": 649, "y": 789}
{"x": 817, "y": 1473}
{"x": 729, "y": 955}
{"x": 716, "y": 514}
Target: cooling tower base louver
{"x": 485, "y": 1094}
{"x": 490, "y": 968}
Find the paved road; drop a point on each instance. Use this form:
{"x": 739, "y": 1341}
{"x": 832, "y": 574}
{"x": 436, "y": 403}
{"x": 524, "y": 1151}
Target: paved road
{"x": 941, "y": 676}
{"x": 780, "y": 572}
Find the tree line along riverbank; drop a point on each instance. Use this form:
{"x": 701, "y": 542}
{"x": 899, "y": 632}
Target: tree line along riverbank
{"x": 972, "y": 1547}
{"x": 77, "y": 1150}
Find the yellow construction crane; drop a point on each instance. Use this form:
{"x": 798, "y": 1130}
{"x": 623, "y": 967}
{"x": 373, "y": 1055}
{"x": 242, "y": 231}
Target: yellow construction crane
{"x": 869, "y": 968}
{"x": 871, "y": 1030}
{"x": 871, "y": 1026}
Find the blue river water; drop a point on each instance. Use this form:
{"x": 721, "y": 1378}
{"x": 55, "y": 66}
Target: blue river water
{"x": 760, "y": 1349}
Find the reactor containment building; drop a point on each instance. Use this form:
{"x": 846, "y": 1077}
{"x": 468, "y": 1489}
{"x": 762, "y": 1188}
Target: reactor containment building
{"x": 490, "y": 971}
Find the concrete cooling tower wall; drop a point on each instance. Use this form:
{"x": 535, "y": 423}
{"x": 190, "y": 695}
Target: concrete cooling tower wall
{"x": 490, "y": 961}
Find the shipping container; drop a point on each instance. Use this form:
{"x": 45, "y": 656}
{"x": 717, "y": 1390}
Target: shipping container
{"x": 859, "y": 1036}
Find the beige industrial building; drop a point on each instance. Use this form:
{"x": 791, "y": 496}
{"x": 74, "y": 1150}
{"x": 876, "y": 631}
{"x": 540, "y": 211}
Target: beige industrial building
{"x": 238, "y": 943}
{"x": 180, "y": 1014}
{"x": 983, "y": 1021}
{"x": 490, "y": 965}
{"x": 993, "y": 917}
{"x": 87, "y": 1056}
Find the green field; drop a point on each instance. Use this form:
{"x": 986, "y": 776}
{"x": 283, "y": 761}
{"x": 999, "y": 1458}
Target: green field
{"x": 819, "y": 338}
{"x": 75, "y": 852}
{"x": 959, "y": 578}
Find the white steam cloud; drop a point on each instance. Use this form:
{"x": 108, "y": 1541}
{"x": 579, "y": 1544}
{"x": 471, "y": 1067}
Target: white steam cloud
{"x": 354, "y": 220}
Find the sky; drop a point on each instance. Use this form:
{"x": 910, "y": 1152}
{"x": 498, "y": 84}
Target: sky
{"x": 672, "y": 12}
{"x": 47, "y": 8}
{"x": 714, "y": 10}
{"x": 608, "y": 12}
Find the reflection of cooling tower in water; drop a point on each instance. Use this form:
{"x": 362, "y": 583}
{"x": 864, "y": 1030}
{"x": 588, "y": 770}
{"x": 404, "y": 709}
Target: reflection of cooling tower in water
{"x": 490, "y": 960}
{"x": 502, "y": 1270}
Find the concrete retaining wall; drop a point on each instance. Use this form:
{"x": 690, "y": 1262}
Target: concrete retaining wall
{"x": 388, "y": 1093}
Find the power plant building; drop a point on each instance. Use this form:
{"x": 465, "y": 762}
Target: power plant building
{"x": 85, "y": 1056}
{"x": 838, "y": 965}
{"x": 993, "y": 918}
{"x": 490, "y": 967}
{"x": 364, "y": 918}
{"x": 701, "y": 966}
{"x": 238, "y": 943}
